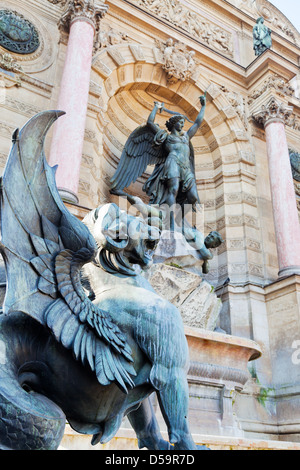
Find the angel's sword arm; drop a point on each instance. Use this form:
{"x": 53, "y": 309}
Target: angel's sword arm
{"x": 152, "y": 116}
{"x": 174, "y": 113}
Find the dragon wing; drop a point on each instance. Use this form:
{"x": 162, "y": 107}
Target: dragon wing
{"x": 139, "y": 152}
{"x": 44, "y": 247}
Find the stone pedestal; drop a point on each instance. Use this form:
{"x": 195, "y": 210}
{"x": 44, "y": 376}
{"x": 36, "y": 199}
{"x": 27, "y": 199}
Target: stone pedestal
{"x": 218, "y": 372}
{"x": 269, "y": 405}
{"x": 218, "y": 362}
{"x": 126, "y": 440}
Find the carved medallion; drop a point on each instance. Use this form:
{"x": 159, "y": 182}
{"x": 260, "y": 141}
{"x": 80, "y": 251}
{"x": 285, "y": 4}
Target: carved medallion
{"x": 17, "y": 34}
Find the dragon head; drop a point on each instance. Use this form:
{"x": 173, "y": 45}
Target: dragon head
{"x": 123, "y": 240}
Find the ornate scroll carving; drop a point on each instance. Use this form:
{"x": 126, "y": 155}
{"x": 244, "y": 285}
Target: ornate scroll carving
{"x": 238, "y": 103}
{"x": 84, "y": 10}
{"x": 9, "y": 80}
{"x": 7, "y": 62}
{"x": 273, "y": 82}
{"x": 277, "y": 19}
{"x": 178, "y": 61}
{"x": 273, "y": 111}
{"x": 198, "y": 27}
{"x": 294, "y": 123}
{"x": 110, "y": 37}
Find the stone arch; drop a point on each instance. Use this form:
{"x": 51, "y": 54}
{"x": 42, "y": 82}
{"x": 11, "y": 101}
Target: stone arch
{"x": 131, "y": 79}
{"x": 127, "y": 67}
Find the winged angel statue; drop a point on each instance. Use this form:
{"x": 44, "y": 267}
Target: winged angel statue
{"x": 173, "y": 180}
{"x": 83, "y": 335}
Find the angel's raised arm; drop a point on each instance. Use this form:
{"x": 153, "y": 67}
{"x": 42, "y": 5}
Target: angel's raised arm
{"x": 193, "y": 129}
{"x": 150, "y": 122}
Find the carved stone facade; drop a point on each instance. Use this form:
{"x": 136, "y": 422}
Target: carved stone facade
{"x": 174, "y": 51}
{"x": 185, "y": 18}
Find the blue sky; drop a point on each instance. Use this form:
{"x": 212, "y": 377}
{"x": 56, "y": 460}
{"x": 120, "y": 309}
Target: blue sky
{"x": 291, "y": 9}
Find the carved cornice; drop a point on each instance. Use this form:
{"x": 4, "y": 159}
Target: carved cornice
{"x": 83, "y": 10}
{"x": 273, "y": 82}
{"x": 273, "y": 111}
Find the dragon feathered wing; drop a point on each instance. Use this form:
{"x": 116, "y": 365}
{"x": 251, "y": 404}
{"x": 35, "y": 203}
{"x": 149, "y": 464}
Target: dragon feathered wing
{"x": 44, "y": 247}
{"x": 139, "y": 151}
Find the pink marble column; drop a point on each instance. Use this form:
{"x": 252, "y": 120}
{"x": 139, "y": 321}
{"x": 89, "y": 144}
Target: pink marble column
{"x": 68, "y": 134}
{"x": 287, "y": 227}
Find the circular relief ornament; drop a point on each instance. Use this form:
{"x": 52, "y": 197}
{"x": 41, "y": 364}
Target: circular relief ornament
{"x": 17, "y": 34}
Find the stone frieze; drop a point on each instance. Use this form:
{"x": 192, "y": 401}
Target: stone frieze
{"x": 188, "y": 20}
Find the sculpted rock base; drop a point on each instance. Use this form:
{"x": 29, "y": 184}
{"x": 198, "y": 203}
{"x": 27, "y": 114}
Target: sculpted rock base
{"x": 194, "y": 297}
{"x": 174, "y": 249}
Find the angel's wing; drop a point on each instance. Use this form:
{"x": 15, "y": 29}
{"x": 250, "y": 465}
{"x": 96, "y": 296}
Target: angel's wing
{"x": 139, "y": 152}
{"x": 44, "y": 247}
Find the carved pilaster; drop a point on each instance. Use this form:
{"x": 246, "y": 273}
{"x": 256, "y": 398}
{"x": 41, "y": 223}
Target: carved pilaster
{"x": 84, "y": 10}
{"x": 273, "y": 111}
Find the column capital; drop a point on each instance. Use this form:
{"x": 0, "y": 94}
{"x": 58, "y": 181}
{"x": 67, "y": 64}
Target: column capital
{"x": 273, "y": 111}
{"x": 83, "y": 10}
